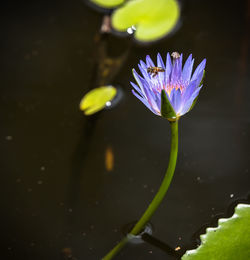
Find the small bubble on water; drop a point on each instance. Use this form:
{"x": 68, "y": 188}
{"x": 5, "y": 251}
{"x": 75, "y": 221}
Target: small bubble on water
{"x": 108, "y": 103}
{"x": 150, "y": 252}
{"x": 9, "y": 138}
{"x": 83, "y": 234}
{"x": 231, "y": 195}
{"x": 39, "y": 182}
{"x": 18, "y": 180}
{"x": 29, "y": 190}
{"x": 145, "y": 186}
{"x": 129, "y": 30}
{"x": 42, "y": 168}
{"x": 70, "y": 210}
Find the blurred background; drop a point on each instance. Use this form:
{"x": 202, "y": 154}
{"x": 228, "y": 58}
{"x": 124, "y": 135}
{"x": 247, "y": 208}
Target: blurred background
{"x": 70, "y": 183}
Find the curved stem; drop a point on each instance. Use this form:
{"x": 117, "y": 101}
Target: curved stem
{"x": 159, "y": 195}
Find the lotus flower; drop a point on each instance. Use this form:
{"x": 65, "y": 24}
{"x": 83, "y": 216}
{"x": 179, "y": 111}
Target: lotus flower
{"x": 168, "y": 90}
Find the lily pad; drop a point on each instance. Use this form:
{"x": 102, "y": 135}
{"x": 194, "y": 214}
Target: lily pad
{"x": 96, "y": 99}
{"x": 107, "y": 3}
{"x": 152, "y": 19}
{"x": 230, "y": 240}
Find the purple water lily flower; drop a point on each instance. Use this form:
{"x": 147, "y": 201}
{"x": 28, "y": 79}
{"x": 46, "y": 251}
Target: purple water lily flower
{"x": 181, "y": 87}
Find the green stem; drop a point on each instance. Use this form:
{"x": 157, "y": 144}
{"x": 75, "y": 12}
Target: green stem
{"x": 159, "y": 195}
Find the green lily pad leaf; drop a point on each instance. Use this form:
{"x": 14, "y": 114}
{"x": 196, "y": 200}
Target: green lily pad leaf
{"x": 167, "y": 110}
{"x": 230, "y": 240}
{"x": 152, "y": 19}
{"x": 107, "y": 3}
{"x": 96, "y": 99}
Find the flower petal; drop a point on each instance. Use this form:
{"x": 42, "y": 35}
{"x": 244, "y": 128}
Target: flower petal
{"x": 145, "y": 102}
{"x": 144, "y": 72}
{"x": 177, "y": 70}
{"x": 176, "y": 100}
{"x": 189, "y": 90}
{"x": 168, "y": 68}
{"x": 160, "y": 62}
{"x": 189, "y": 102}
{"x": 139, "y": 81}
{"x": 187, "y": 69}
{"x": 161, "y": 75}
{"x": 199, "y": 69}
{"x": 149, "y": 62}
{"x": 137, "y": 88}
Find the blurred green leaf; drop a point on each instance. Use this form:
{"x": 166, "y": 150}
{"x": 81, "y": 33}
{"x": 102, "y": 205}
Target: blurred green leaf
{"x": 96, "y": 99}
{"x": 167, "y": 110}
{"x": 107, "y": 3}
{"x": 152, "y": 19}
{"x": 230, "y": 240}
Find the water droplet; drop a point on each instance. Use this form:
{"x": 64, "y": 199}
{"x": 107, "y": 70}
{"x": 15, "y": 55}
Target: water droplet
{"x": 231, "y": 195}
{"x": 108, "y": 103}
{"x": 129, "y": 30}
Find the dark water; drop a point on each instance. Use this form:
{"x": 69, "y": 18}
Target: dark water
{"x": 58, "y": 200}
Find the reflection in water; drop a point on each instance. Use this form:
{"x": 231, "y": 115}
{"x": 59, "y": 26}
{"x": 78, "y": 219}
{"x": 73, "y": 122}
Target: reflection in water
{"x": 161, "y": 245}
{"x": 105, "y": 69}
{"x": 109, "y": 159}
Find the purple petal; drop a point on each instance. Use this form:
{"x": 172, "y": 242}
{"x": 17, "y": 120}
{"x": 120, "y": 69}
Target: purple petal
{"x": 143, "y": 65}
{"x": 199, "y": 69}
{"x": 168, "y": 68}
{"x": 139, "y": 81}
{"x": 152, "y": 99}
{"x": 137, "y": 89}
{"x": 190, "y": 101}
{"x": 160, "y": 62}
{"x": 144, "y": 72}
{"x": 199, "y": 77}
{"x": 144, "y": 101}
{"x": 189, "y": 90}
{"x": 187, "y": 69}
{"x": 177, "y": 70}
{"x": 176, "y": 100}
{"x": 149, "y": 62}
{"x": 161, "y": 75}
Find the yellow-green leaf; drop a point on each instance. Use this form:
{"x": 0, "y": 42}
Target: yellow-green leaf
{"x": 152, "y": 19}
{"x": 96, "y": 99}
{"x": 107, "y": 3}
